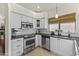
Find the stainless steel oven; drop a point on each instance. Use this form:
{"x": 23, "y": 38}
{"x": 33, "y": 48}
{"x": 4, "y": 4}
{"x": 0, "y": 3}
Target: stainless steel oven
{"x": 29, "y": 43}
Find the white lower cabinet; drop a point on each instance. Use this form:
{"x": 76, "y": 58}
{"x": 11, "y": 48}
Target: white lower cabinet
{"x": 17, "y": 47}
{"x": 38, "y": 41}
{"x": 66, "y": 47}
{"x": 62, "y": 46}
{"x": 54, "y": 44}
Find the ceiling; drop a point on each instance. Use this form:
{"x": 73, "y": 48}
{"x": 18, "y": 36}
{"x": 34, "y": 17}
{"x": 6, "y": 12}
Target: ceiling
{"x": 43, "y": 6}
{"x": 50, "y": 8}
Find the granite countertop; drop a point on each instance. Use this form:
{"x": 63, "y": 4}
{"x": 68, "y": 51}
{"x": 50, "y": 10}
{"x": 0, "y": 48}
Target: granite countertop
{"x": 23, "y": 35}
{"x": 17, "y": 36}
{"x": 65, "y": 37}
{"x": 55, "y": 36}
{"x": 62, "y": 36}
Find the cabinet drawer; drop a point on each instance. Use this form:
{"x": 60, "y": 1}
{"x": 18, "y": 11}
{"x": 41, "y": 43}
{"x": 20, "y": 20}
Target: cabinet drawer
{"x": 17, "y": 40}
{"x": 17, "y": 47}
{"x": 16, "y": 43}
{"x": 17, "y": 52}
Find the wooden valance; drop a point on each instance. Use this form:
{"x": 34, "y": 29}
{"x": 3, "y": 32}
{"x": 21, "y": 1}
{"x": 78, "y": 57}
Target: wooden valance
{"x": 63, "y": 19}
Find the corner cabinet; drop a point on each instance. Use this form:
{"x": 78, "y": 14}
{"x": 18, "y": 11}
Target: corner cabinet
{"x": 15, "y": 20}
{"x": 63, "y": 47}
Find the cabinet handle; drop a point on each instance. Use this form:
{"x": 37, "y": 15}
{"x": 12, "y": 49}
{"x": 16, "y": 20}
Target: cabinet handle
{"x": 18, "y": 40}
{"x": 18, "y": 52}
{"x": 18, "y": 45}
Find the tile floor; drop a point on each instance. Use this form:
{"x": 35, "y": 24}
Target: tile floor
{"x": 40, "y": 52}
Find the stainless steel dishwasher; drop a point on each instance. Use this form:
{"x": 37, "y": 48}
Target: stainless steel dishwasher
{"x": 46, "y": 42}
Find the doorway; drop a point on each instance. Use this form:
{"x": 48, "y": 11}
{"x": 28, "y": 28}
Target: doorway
{"x": 2, "y": 36}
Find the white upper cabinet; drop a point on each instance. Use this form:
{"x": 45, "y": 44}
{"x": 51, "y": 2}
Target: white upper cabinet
{"x": 34, "y": 23}
{"x": 42, "y": 23}
{"x": 31, "y": 19}
{"x": 27, "y": 19}
{"x": 24, "y": 19}
{"x": 43, "y": 20}
{"x": 15, "y": 20}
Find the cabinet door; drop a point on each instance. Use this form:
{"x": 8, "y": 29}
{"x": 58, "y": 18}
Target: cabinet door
{"x": 66, "y": 47}
{"x": 24, "y": 19}
{"x": 34, "y": 23}
{"x": 38, "y": 40}
{"x": 53, "y": 44}
{"x": 38, "y": 23}
{"x": 30, "y": 19}
{"x": 15, "y": 20}
{"x": 27, "y": 19}
{"x": 42, "y": 23}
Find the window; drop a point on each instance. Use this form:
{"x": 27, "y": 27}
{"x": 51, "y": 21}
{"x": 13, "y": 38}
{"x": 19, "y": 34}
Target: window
{"x": 53, "y": 27}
